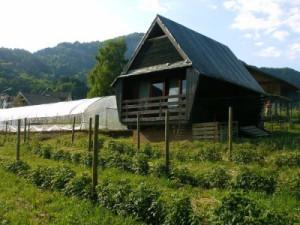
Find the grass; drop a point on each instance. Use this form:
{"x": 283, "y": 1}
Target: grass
{"x": 184, "y": 154}
{"x": 22, "y": 203}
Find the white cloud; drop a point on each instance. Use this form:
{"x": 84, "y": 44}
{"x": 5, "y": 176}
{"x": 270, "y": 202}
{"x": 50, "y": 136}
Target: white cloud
{"x": 294, "y": 50}
{"x": 155, "y": 6}
{"x": 212, "y": 6}
{"x": 258, "y": 44}
{"x": 293, "y": 19}
{"x": 280, "y": 35}
{"x": 270, "y": 52}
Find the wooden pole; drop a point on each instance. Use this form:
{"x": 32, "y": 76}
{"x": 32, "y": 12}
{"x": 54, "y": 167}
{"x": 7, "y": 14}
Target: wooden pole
{"x": 90, "y": 133}
{"x": 229, "y": 132}
{"x": 73, "y": 130}
{"x": 167, "y": 150}
{"x": 138, "y": 131}
{"x": 6, "y": 130}
{"x": 25, "y": 130}
{"x": 18, "y": 140}
{"x": 95, "y": 155}
{"x": 28, "y": 131}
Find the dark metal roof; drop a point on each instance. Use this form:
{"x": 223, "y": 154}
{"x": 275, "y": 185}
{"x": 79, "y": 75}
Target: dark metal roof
{"x": 33, "y": 99}
{"x": 210, "y": 57}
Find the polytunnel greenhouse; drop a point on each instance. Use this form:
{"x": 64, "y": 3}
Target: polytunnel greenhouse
{"x": 60, "y": 115}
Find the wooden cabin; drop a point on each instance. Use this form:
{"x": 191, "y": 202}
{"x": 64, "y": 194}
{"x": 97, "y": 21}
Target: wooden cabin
{"x": 281, "y": 92}
{"x": 193, "y": 77}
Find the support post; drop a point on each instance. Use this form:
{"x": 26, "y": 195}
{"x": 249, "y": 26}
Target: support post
{"x": 229, "y": 132}
{"x": 25, "y": 130}
{"x": 6, "y": 130}
{"x": 28, "y": 131}
{"x": 18, "y": 140}
{"x": 138, "y": 131}
{"x": 167, "y": 150}
{"x": 90, "y": 133}
{"x": 73, "y": 130}
{"x": 95, "y": 155}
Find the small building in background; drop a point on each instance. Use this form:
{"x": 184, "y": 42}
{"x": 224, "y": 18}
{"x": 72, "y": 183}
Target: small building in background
{"x": 26, "y": 99}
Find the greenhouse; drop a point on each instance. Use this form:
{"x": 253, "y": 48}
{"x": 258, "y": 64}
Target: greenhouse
{"x": 60, "y": 115}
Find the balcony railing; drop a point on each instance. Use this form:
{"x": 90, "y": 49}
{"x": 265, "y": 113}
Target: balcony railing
{"x": 153, "y": 109}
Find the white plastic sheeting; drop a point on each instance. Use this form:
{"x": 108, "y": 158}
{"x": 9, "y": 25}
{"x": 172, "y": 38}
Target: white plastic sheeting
{"x": 59, "y": 116}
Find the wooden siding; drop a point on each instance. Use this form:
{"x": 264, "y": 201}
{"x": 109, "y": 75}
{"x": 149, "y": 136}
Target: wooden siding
{"x": 269, "y": 84}
{"x": 192, "y": 78}
{"x": 156, "y": 51}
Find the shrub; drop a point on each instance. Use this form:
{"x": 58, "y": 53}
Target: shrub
{"x": 217, "y": 178}
{"x": 184, "y": 176}
{"x": 180, "y": 211}
{"x": 293, "y": 186}
{"x": 114, "y": 196}
{"x": 289, "y": 160}
{"x": 60, "y": 177}
{"x": 58, "y": 155}
{"x": 76, "y": 157}
{"x": 120, "y": 161}
{"x": 209, "y": 154}
{"x": 17, "y": 167}
{"x": 120, "y": 147}
{"x": 158, "y": 168}
{"x": 80, "y": 186}
{"x": 41, "y": 177}
{"x": 147, "y": 150}
{"x": 256, "y": 181}
{"x": 144, "y": 203}
{"x": 87, "y": 159}
{"x": 236, "y": 209}
{"x": 46, "y": 152}
{"x": 246, "y": 156}
{"x": 140, "y": 164}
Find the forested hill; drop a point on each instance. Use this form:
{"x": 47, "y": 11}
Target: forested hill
{"x": 61, "y": 68}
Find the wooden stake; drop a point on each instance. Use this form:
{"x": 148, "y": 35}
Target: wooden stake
{"x": 95, "y": 155}
{"x": 28, "y": 131}
{"x": 6, "y": 129}
{"x": 73, "y": 130}
{"x": 229, "y": 132}
{"x": 90, "y": 133}
{"x": 138, "y": 131}
{"x": 25, "y": 130}
{"x": 18, "y": 140}
{"x": 167, "y": 152}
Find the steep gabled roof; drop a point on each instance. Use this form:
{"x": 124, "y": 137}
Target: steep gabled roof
{"x": 33, "y": 99}
{"x": 210, "y": 57}
{"x": 207, "y": 56}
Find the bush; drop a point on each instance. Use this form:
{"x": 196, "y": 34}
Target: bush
{"x": 60, "y": 177}
{"x": 46, "y": 152}
{"x": 210, "y": 154}
{"x": 75, "y": 158}
{"x": 59, "y": 155}
{"x": 114, "y": 196}
{"x": 246, "y": 156}
{"x": 144, "y": 203}
{"x": 180, "y": 211}
{"x": 41, "y": 177}
{"x": 217, "y": 178}
{"x": 158, "y": 168}
{"x": 17, "y": 167}
{"x": 80, "y": 186}
{"x": 184, "y": 176}
{"x": 256, "y": 181}
{"x": 87, "y": 159}
{"x": 120, "y": 161}
{"x": 140, "y": 164}
{"x": 236, "y": 209}
{"x": 288, "y": 160}
{"x": 120, "y": 147}
{"x": 147, "y": 150}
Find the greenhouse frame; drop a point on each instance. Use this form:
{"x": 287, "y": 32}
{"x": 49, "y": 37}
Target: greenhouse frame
{"x": 60, "y": 116}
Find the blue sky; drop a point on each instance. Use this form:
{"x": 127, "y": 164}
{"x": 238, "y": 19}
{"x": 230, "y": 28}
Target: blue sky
{"x": 260, "y": 32}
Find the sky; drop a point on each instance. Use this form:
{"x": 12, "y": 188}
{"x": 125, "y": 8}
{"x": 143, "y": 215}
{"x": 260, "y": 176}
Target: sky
{"x": 260, "y": 32}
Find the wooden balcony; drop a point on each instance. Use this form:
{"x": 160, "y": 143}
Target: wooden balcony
{"x": 152, "y": 110}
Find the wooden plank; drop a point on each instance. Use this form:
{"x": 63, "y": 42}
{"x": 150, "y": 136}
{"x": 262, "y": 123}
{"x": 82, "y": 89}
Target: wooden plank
{"x": 167, "y": 152}
{"x": 138, "y": 130}
{"x": 90, "y": 134}
{"x": 73, "y": 130}
{"x": 229, "y": 132}
{"x": 153, "y": 119}
{"x": 152, "y": 105}
{"x": 154, "y": 111}
{"x": 152, "y": 99}
{"x": 205, "y": 124}
{"x": 212, "y": 132}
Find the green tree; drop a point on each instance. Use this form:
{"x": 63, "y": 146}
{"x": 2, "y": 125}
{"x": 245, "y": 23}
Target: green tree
{"x": 110, "y": 61}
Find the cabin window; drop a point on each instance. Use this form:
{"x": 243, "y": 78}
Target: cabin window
{"x": 144, "y": 89}
{"x": 157, "y": 89}
{"x": 174, "y": 87}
